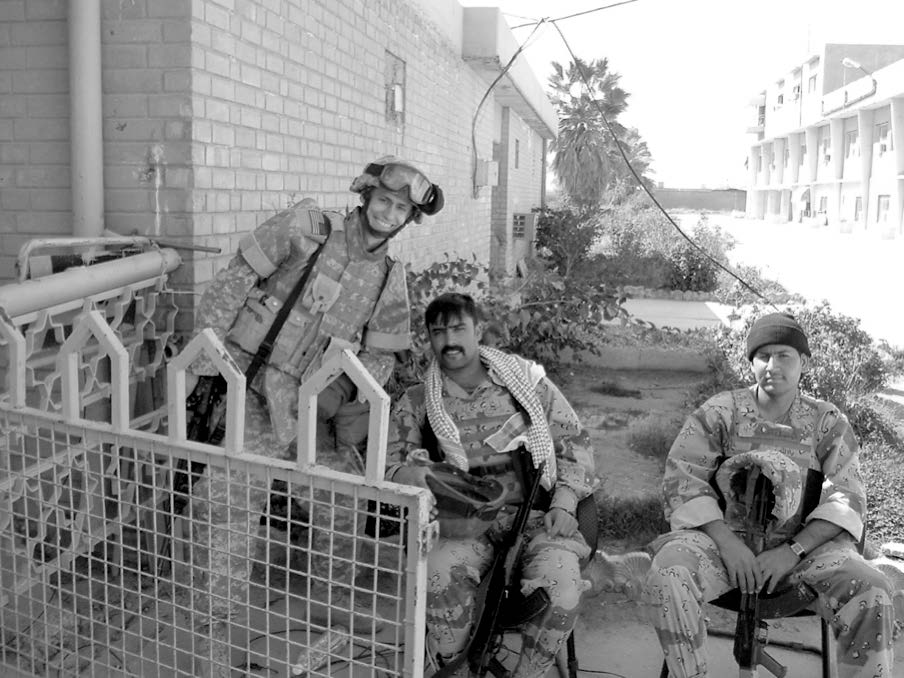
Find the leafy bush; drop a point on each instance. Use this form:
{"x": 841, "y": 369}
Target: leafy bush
{"x": 846, "y": 369}
{"x": 567, "y": 236}
{"x": 641, "y": 247}
{"x": 732, "y": 292}
{"x": 541, "y": 318}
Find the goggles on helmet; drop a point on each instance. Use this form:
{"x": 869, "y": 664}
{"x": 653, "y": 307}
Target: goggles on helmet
{"x": 396, "y": 177}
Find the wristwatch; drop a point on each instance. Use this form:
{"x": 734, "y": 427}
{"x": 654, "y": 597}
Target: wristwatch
{"x": 797, "y": 549}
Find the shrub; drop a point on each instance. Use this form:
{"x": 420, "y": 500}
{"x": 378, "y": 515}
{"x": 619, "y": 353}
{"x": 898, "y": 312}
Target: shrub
{"x": 846, "y": 369}
{"x": 641, "y": 247}
{"x": 653, "y": 435}
{"x": 636, "y": 519}
{"x": 567, "y": 236}
{"x": 729, "y": 290}
{"x": 543, "y": 318}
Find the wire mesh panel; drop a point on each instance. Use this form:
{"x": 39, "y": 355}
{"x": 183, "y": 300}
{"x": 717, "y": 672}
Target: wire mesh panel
{"x": 101, "y": 576}
{"x": 127, "y": 550}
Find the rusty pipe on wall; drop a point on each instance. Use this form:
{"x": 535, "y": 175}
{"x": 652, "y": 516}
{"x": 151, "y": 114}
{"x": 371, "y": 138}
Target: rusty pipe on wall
{"x": 86, "y": 136}
{"x": 79, "y": 282}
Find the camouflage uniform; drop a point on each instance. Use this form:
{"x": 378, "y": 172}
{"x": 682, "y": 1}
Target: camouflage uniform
{"x": 490, "y": 423}
{"x": 687, "y": 569}
{"x": 353, "y": 298}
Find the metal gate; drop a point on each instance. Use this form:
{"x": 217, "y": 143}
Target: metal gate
{"x": 95, "y": 539}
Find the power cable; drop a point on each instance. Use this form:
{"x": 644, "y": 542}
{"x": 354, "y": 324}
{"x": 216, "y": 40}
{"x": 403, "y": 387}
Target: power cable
{"x": 571, "y": 16}
{"x": 483, "y": 99}
{"x": 638, "y": 178}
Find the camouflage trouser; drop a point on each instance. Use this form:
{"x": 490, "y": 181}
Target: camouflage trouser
{"x": 226, "y": 512}
{"x": 455, "y": 568}
{"x": 853, "y": 597}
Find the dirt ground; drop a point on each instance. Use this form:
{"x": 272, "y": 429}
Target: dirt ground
{"x": 612, "y": 633}
{"x": 608, "y": 401}
{"x": 613, "y": 637}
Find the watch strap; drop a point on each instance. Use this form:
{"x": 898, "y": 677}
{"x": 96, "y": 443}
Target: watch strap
{"x": 797, "y": 549}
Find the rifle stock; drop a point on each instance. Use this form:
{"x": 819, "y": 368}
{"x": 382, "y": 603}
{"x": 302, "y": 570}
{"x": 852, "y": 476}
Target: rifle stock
{"x": 501, "y": 581}
{"x": 495, "y": 588}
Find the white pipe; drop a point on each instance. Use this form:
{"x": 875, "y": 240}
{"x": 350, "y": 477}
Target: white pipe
{"x": 86, "y": 118}
{"x": 17, "y": 299}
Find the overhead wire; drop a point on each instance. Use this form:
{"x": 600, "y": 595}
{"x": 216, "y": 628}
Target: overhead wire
{"x": 640, "y": 181}
{"x": 615, "y": 138}
{"x": 483, "y": 99}
{"x": 571, "y": 16}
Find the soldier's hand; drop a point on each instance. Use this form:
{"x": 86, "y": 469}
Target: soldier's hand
{"x": 560, "y": 522}
{"x": 416, "y": 475}
{"x": 775, "y": 564}
{"x": 191, "y": 380}
{"x": 743, "y": 570}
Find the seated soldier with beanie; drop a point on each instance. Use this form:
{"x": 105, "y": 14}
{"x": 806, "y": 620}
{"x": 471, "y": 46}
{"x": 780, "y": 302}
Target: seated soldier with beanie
{"x": 789, "y": 435}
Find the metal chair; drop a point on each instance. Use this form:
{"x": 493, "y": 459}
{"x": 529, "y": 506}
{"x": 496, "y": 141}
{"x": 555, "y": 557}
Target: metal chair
{"x": 792, "y": 601}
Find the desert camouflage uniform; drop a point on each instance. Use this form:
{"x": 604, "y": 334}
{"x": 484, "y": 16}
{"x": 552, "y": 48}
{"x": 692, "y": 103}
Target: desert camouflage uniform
{"x": 853, "y": 597}
{"x": 489, "y": 420}
{"x": 353, "y": 298}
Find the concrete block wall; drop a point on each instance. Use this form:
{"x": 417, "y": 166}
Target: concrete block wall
{"x": 35, "y": 200}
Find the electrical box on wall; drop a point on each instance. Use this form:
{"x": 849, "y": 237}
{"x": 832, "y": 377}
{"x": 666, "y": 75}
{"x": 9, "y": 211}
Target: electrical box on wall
{"x": 487, "y": 173}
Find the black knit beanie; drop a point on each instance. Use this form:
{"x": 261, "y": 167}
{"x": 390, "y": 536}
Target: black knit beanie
{"x": 776, "y": 328}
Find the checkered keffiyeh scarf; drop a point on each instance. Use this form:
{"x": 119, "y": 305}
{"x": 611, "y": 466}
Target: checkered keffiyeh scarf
{"x": 519, "y": 377}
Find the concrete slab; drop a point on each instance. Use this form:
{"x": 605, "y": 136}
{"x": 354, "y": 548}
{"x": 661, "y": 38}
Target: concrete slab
{"x": 682, "y": 315}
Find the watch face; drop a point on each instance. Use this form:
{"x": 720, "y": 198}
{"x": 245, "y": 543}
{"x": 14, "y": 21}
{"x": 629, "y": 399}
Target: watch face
{"x": 797, "y": 549}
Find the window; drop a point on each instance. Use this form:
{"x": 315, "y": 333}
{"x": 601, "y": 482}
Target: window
{"x": 394, "y": 82}
{"x": 826, "y": 155}
{"x": 882, "y": 208}
{"x": 517, "y": 153}
{"x": 803, "y": 153}
{"x": 811, "y": 84}
{"x": 823, "y": 204}
{"x": 851, "y": 147}
{"x": 795, "y": 93}
{"x": 858, "y": 208}
{"x": 882, "y": 138}
{"x": 780, "y": 99}
{"x": 761, "y": 116}
{"x": 759, "y": 163}
{"x": 786, "y": 158}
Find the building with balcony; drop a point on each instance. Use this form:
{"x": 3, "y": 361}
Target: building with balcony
{"x": 827, "y": 142}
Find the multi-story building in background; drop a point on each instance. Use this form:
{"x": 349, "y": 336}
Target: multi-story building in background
{"x": 829, "y": 142}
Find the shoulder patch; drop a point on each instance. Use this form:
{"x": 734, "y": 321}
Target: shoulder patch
{"x": 312, "y": 222}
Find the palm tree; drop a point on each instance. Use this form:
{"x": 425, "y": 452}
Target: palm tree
{"x": 586, "y": 159}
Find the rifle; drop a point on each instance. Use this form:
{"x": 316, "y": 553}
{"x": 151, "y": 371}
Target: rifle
{"x": 750, "y": 630}
{"x": 497, "y": 587}
{"x": 207, "y": 402}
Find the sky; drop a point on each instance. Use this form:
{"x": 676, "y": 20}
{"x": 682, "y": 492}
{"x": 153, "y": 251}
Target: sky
{"x": 692, "y": 66}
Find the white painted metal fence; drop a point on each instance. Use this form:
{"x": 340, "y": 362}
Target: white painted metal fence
{"x": 95, "y": 576}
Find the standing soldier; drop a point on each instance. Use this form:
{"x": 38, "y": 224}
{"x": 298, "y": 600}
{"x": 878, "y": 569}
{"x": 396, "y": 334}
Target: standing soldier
{"x": 355, "y": 297}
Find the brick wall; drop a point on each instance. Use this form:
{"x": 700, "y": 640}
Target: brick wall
{"x": 520, "y": 156}
{"x": 219, "y": 112}
{"x": 35, "y": 200}
{"x": 289, "y": 102}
